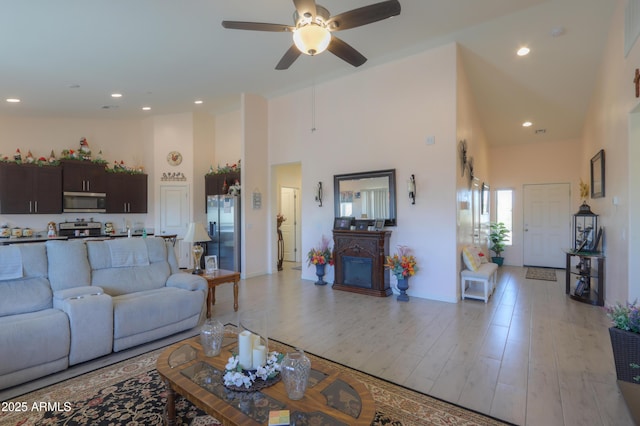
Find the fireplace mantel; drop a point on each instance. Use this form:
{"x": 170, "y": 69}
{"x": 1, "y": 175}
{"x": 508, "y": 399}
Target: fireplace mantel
{"x": 359, "y": 262}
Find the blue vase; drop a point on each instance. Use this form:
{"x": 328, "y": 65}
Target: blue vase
{"x": 403, "y": 286}
{"x": 320, "y": 274}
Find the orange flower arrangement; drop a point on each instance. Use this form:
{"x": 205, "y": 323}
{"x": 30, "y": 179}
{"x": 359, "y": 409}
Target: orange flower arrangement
{"x": 321, "y": 255}
{"x": 402, "y": 264}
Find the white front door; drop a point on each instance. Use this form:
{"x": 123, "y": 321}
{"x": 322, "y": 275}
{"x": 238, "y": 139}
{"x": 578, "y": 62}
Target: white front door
{"x": 174, "y": 218}
{"x": 547, "y": 224}
{"x": 289, "y": 209}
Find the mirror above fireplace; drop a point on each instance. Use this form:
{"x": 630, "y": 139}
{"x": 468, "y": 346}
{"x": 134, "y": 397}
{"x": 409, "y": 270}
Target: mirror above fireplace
{"x": 366, "y": 195}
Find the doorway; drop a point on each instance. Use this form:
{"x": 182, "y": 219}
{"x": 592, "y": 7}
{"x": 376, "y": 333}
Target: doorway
{"x": 547, "y": 224}
{"x": 174, "y": 217}
{"x": 290, "y": 208}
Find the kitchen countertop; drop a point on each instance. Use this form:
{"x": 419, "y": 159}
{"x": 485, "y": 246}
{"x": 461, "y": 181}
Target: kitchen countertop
{"x": 21, "y": 240}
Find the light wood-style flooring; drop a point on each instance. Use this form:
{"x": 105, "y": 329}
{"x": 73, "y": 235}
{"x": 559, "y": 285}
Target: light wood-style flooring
{"x": 531, "y": 356}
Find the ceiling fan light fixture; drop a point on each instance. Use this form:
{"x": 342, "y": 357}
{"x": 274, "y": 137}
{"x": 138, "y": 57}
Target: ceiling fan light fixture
{"x": 311, "y": 39}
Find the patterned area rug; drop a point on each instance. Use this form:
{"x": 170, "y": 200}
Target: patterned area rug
{"x": 131, "y": 392}
{"x": 543, "y": 274}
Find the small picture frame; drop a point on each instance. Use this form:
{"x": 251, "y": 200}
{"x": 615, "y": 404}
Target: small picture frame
{"x": 362, "y": 225}
{"x": 211, "y": 263}
{"x": 378, "y": 225}
{"x": 342, "y": 223}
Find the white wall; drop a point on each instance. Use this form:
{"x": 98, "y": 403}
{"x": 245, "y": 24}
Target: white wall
{"x": 513, "y": 166}
{"x": 470, "y": 220}
{"x": 607, "y": 127}
{"x": 379, "y": 118}
{"x": 255, "y": 177}
{"x": 228, "y": 137}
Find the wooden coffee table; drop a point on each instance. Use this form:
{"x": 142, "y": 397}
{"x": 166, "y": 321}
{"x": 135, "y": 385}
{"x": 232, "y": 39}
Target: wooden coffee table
{"x": 217, "y": 277}
{"x": 332, "y": 398}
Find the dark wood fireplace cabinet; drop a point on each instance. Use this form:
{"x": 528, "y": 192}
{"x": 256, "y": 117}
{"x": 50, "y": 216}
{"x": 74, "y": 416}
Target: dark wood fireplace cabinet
{"x": 359, "y": 262}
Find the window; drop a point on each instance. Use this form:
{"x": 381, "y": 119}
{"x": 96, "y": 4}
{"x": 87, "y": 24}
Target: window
{"x": 504, "y": 211}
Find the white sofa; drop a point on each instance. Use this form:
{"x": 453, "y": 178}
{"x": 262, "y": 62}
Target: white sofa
{"x": 78, "y": 300}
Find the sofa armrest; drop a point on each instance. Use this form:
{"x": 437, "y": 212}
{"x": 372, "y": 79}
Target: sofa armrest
{"x": 90, "y": 313}
{"x": 187, "y": 281}
{"x": 77, "y": 292}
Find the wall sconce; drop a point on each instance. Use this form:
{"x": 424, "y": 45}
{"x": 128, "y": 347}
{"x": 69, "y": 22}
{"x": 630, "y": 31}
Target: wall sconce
{"x": 319, "y": 194}
{"x": 411, "y": 187}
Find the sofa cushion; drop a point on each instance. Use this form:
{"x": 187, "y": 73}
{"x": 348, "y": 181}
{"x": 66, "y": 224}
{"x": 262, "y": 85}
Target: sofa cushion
{"x": 144, "y": 311}
{"x": 45, "y": 332}
{"x": 31, "y": 292}
{"x": 10, "y": 263}
{"x": 68, "y": 264}
{"x": 131, "y": 279}
{"x": 24, "y": 295}
{"x": 126, "y": 252}
{"x": 34, "y": 260}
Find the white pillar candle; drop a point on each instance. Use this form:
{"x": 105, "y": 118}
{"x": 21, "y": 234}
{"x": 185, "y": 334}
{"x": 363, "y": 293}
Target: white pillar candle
{"x": 255, "y": 340}
{"x": 259, "y": 356}
{"x": 245, "y": 350}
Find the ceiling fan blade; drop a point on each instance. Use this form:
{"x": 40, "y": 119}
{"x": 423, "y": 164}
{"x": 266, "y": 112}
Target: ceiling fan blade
{"x": 305, "y": 7}
{"x": 289, "y": 58}
{"x": 256, "y": 26}
{"x": 364, "y": 15}
{"x": 345, "y": 52}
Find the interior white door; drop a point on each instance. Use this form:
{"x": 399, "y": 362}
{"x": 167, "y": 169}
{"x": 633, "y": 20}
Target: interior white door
{"x": 547, "y": 224}
{"x": 289, "y": 208}
{"x": 174, "y": 217}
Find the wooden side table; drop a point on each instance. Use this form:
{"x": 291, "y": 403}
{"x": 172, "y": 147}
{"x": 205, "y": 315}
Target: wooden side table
{"x": 214, "y": 279}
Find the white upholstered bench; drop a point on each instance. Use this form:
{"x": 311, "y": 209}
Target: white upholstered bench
{"x": 485, "y": 275}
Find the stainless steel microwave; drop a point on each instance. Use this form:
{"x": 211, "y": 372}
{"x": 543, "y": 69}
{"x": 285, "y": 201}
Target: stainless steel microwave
{"x": 81, "y": 202}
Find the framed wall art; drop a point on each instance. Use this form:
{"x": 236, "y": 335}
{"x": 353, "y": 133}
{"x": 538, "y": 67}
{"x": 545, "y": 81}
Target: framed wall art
{"x": 485, "y": 198}
{"x": 597, "y": 175}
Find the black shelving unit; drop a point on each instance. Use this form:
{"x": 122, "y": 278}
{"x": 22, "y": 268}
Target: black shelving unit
{"x": 585, "y": 281}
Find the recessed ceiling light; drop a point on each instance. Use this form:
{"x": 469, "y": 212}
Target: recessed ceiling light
{"x": 146, "y": 108}
{"x": 116, "y": 95}
{"x": 198, "y": 102}
{"x": 527, "y": 124}
{"x": 523, "y": 51}
{"x": 13, "y": 100}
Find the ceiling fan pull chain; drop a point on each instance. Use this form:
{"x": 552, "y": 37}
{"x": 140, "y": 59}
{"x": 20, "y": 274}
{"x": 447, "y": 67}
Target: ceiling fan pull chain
{"x": 313, "y": 106}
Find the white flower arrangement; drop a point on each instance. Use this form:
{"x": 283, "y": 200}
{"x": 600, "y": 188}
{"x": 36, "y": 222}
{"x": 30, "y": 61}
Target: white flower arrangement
{"x": 236, "y": 376}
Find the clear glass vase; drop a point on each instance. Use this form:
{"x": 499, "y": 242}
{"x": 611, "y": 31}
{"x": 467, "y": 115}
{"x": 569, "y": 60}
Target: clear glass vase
{"x": 211, "y": 336}
{"x": 295, "y": 369}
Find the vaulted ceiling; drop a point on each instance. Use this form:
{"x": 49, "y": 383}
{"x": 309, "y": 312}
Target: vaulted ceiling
{"x": 65, "y": 58}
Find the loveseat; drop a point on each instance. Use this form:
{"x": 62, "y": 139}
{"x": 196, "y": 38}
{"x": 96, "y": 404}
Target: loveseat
{"x": 66, "y": 302}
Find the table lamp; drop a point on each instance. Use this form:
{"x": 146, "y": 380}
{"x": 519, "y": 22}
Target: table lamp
{"x": 196, "y": 234}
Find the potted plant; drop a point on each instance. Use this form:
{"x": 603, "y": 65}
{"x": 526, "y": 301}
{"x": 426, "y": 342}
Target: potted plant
{"x": 402, "y": 265}
{"x": 625, "y": 342}
{"x": 497, "y": 237}
{"x": 320, "y": 257}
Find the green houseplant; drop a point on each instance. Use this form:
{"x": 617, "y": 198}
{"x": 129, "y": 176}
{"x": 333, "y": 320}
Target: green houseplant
{"x": 625, "y": 343}
{"x": 497, "y": 236}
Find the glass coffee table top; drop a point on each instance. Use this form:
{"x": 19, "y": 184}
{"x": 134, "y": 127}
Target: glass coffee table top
{"x": 332, "y": 397}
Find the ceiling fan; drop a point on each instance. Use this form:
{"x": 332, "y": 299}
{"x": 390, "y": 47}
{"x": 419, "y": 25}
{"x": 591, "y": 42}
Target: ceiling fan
{"x": 314, "y": 25}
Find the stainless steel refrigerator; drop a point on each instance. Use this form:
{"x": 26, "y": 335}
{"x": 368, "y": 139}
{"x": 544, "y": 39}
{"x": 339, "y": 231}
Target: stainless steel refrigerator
{"x": 223, "y": 215}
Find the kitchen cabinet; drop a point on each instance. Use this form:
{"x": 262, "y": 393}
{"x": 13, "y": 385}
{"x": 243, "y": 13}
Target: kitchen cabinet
{"x": 83, "y": 176}
{"x": 126, "y": 193}
{"x": 214, "y": 184}
{"x": 30, "y": 189}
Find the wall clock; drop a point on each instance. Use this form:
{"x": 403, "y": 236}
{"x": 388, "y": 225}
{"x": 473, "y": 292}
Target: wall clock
{"x": 174, "y": 158}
